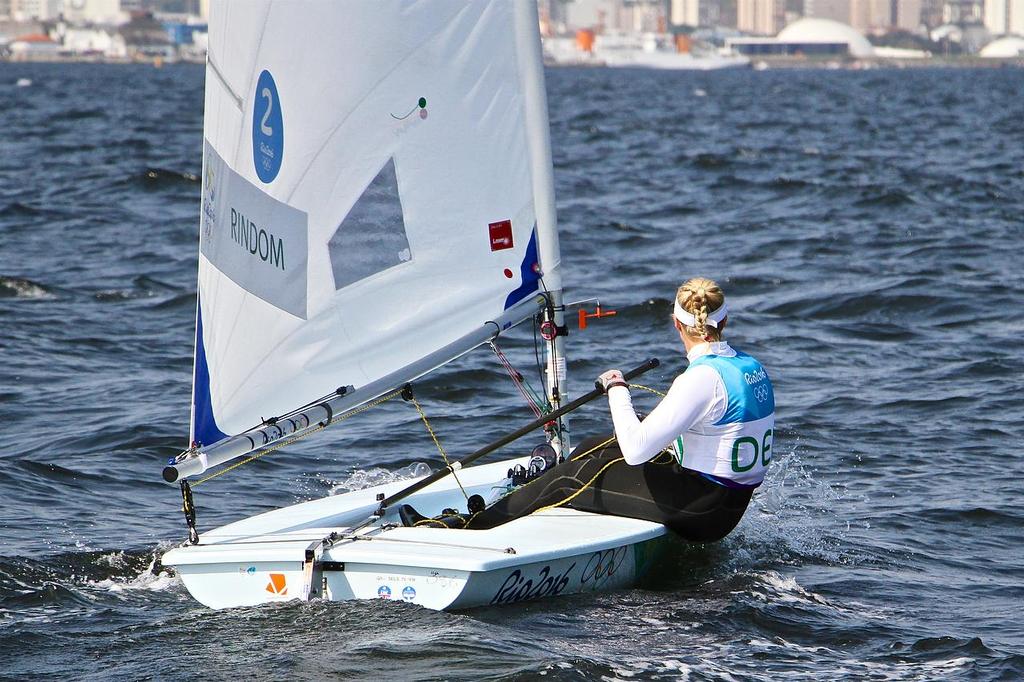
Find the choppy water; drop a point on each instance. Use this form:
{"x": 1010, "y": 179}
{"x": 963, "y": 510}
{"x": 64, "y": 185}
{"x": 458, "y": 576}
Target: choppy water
{"x": 867, "y": 228}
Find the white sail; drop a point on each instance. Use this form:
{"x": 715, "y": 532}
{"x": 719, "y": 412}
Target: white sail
{"x": 376, "y": 192}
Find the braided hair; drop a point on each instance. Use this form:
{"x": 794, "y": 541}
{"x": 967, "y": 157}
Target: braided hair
{"x": 700, "y": 296}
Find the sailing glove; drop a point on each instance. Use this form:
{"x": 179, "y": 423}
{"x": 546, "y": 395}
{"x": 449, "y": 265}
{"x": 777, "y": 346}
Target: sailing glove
{"x": 611, "y": 379}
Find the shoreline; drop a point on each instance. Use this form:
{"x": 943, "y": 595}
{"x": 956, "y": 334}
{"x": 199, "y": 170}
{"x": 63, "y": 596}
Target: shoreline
{"x": 760, "y": 64}
{"x": 830, "y": 64}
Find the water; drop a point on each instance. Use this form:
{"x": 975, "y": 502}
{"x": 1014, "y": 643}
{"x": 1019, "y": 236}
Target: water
{"x": 866, "y": 228}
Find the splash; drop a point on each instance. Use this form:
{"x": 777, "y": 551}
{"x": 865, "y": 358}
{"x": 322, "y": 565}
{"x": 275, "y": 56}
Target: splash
{"x": 153, "y": 578}
{"x": 792, "y": 518}
{"x": 367, "y": 478}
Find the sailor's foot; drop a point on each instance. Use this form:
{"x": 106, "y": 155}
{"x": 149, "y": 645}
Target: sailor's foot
{"x": 449, "y": 518}
{"x": 409, "y": 516}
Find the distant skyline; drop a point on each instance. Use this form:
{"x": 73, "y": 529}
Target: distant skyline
{"x": 767, "y": 17}
{"x": 757, "y": 17}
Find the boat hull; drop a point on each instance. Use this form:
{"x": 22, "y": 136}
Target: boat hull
{"x": 321, "y": 550}
{"x": 228, "y": 585}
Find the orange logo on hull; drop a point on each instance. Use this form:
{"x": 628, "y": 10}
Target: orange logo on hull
{"x": 277, "y": 584}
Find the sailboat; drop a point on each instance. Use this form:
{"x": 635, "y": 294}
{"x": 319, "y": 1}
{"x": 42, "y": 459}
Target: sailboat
{"x": 377, "y": 200}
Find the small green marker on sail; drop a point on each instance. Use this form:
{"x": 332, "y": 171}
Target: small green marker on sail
{"x": 421, "y": 105}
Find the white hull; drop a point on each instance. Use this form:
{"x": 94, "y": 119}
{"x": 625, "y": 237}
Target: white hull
{"x": 278, "y": 556}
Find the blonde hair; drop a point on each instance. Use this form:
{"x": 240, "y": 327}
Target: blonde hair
{"x": 700, "y": 296}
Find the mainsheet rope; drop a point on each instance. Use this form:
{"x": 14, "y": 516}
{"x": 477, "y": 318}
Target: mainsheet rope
{"x": 430, "y": 430}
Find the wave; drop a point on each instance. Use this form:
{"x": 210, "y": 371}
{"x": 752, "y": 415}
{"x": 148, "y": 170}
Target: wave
{"x": 17, "y": 209}
{"x": 77, "y": 114}
{"x": 20, "y": 287}
{"x": 155, "y": 178}
{"x": 76, "y": 577}
{"x": 143, "y": 286}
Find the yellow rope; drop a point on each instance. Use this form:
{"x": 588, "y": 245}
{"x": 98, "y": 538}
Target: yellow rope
{"x": 647, "y": 388}
{"x": 570, "y": 498}
{"x": 596, "y": 447}
{"x": 436, "y": 520}
{"x": 320, "y": 427}
{"x": 585, "y": 486}
{"x": 430, "y": 430}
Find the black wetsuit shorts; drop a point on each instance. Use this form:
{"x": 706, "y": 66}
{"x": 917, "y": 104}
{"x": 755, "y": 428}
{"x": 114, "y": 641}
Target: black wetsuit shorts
{"x": 697, "y": 509}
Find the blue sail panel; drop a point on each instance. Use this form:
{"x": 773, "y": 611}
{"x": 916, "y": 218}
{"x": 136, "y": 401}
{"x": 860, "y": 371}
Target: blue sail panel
{"x": 204, "y": 424}
{"x": 528, "y": 272}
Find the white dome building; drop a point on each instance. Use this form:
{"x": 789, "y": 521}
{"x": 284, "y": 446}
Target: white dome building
{"x": 811, "y": 30}
{"x": 1007, "y": 47}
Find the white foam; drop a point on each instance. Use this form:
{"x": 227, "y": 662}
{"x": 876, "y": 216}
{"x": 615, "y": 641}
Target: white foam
{"x": 147, "y": 580}
{"x": 23, "y": 288}
{"x": 367, "y": 478}
{"x": 794, "y": 513}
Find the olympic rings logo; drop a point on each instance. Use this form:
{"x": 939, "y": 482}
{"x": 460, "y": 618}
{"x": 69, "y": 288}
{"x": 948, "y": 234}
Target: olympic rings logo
{"x": 603, "y": 565}
{"x": 761, "y": 393}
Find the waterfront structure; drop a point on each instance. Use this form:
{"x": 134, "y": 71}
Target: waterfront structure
{"x": 95, "y": 41}
{"x": 1008, "y": 47}
{"x": 807, "y": 37}
{"x": 34, "y": 46}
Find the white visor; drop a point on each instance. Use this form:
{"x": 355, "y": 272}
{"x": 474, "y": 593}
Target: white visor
{"x": 690, "y": 321}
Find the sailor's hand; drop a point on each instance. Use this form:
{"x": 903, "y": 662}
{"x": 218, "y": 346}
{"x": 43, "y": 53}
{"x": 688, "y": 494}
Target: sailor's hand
{"x": 610, "y": 379}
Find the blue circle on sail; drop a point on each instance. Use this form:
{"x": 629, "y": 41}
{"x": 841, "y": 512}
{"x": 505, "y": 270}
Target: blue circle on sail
{"x": 267, "y": 129}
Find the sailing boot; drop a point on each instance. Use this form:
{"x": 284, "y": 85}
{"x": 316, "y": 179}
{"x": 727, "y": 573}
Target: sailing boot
{"x": 449, "y": 518}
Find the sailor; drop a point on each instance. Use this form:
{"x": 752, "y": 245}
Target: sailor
{"x": 692, "y": 464}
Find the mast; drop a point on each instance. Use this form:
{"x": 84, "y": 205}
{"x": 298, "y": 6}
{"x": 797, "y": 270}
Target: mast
{"x": 531, "y": 70}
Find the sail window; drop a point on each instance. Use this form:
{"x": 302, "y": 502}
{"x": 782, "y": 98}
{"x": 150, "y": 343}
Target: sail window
{"x": 371, "y": 238}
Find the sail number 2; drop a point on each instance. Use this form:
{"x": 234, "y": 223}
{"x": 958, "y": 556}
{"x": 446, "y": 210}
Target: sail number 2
{"x": 267, "y": 128}
{"x": 269, "y": 96}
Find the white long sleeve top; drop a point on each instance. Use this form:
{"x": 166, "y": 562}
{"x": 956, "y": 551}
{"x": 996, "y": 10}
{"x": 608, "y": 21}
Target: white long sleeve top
{"x": 697, "y": 396}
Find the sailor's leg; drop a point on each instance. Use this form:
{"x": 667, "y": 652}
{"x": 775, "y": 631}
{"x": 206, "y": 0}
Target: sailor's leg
{"x": 551, "y": 487}
{"x": 695, "y": 508}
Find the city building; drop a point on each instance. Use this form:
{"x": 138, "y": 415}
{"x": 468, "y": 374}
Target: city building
{"x": 963, "y": 11}
{"x": 83, "y": 12}
{"x": 907, "y": 14}
{"x": 32, "y": 10}
{"x": 835, "y": 10}
{"x": 870, "y": 15}
{"x": 1004, "y": 16}
{"x": 762, "y": 17}
{"x": 685, "y": 12}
